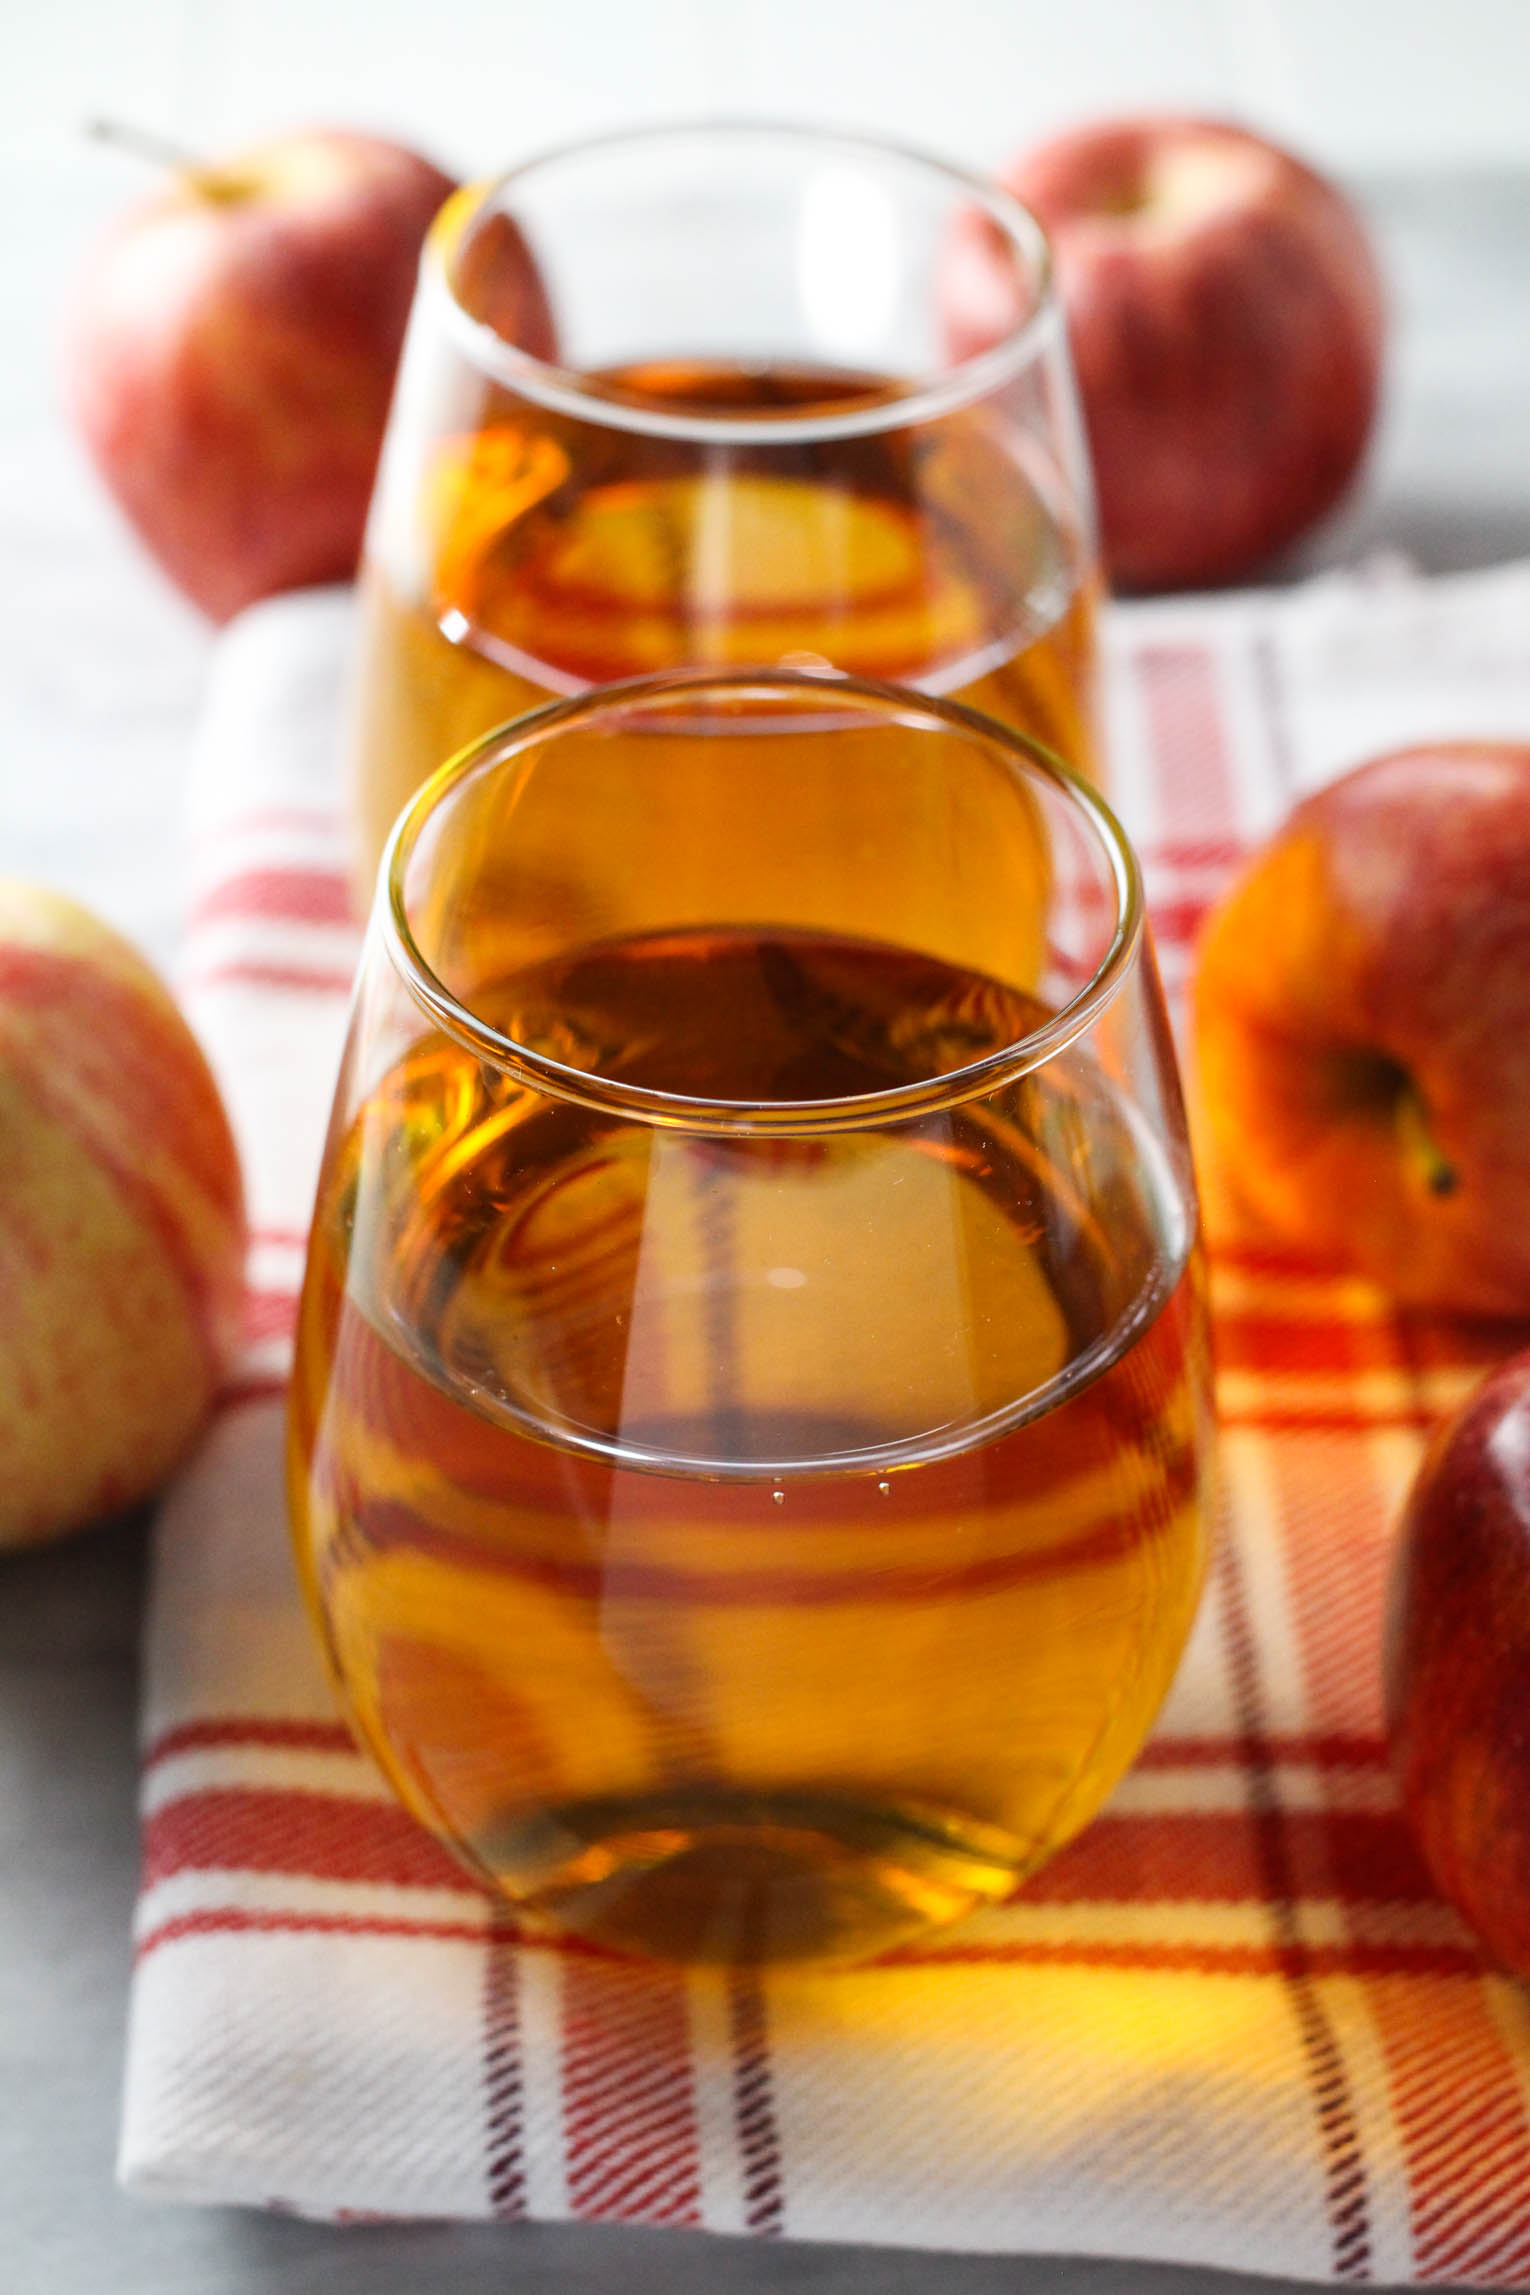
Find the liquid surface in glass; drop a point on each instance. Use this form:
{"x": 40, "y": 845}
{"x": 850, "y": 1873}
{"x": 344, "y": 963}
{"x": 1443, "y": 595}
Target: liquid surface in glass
{"x": 545, "y": 552}
{"x": 716, "y": 1596}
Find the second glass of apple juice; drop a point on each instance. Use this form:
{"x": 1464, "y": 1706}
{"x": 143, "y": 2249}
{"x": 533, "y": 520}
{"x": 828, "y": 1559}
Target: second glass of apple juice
{"x": 684, "y": 395}
{"x": 750, "y": 1427}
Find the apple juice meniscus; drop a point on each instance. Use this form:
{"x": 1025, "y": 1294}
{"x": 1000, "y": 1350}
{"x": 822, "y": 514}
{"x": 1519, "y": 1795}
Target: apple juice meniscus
{"x": 553, "y": 552}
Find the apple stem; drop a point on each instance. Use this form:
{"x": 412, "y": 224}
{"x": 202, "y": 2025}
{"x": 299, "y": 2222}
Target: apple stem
{"x": 162, "y": 151}
{"x": 1440, "y": 1174}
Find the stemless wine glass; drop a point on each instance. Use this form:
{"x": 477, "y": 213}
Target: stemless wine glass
{"x": 721, "y": 422}
{"x": 750, "y": 1424}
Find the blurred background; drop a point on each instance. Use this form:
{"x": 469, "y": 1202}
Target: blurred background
{"x": 1424, "y": 112}
{"x": 1363, "y": 87}
{"x": 1360, "y": 83}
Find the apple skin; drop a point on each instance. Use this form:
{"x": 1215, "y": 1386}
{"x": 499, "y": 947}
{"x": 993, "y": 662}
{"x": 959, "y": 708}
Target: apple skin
{"x": 232, "y": 357}
{"x": 1360, "y": 1069}
{"x": 121, "y": 1222}
{"x": 1226, "y": 322}
{"x": 1457, "y": 1661}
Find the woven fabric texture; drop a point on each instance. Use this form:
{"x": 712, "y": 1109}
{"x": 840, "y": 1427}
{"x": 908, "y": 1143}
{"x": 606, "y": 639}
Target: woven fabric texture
{"x": 1231, "y": 2024}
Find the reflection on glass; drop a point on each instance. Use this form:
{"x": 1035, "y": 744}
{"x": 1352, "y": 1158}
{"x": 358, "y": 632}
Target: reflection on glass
{"x": 751, "y": 1418}
{"x": 754, "y": 450}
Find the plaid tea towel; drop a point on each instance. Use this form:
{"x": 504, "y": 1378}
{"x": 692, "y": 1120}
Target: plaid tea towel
{"x": 1230, "y": 2025}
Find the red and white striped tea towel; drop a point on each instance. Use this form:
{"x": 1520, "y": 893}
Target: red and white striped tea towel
{"x": 1230, "y": 2025}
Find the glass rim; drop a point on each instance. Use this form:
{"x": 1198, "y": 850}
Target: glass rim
{"x": 679, "y": 1112}
{"x": 564, "y": 390}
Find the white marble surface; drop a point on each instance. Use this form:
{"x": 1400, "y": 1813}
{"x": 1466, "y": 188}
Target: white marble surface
{"x": 100, "y": 670}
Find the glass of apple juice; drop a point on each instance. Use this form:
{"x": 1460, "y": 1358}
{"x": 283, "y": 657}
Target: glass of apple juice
{"x": 686, "y": 395}
{"x": 750, "y": 1429}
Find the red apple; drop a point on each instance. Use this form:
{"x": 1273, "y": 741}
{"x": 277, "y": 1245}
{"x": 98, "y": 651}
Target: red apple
{"x": 1457, "y": 1671}
{"x": 1226, "y": 324}
{"x": 121, "y": 1222}
{"x": 1361, "y": 1051}
{"x": 233, "y": 353}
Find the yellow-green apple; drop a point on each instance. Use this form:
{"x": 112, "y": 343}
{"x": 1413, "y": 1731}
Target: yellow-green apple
{"x": 1361, "y": 1040}
{"x": 121, "y": 1222}
{"x": 232, "y": 357}
{"x": 1226, "y": 321}
{"x": 1457, "y": 1661}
